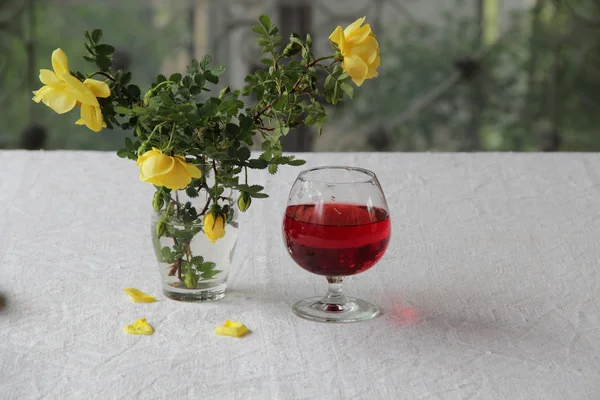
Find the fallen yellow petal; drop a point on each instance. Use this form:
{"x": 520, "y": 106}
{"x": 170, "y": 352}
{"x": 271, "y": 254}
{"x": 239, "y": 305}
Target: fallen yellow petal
{"x": 139, "y": 327}
{"x": 231, "y": 328}
{"x": 139, "y": 296}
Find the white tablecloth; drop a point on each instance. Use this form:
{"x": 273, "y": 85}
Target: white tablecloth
{"x": 490, "y": 288}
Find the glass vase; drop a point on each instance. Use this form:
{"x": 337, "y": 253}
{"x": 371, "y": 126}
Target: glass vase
{"x": 192, "y": 268}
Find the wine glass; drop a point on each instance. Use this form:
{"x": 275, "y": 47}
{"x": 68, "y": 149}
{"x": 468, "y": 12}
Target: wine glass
{"x": 336, "y": 224}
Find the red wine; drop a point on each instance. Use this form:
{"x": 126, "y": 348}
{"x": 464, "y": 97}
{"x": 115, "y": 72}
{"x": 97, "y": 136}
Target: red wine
{"x": 336, "y": 239}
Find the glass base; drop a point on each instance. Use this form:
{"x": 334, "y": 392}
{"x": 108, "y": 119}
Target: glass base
{"x": 353, "y": 310}
{"x": 196, "y": 295}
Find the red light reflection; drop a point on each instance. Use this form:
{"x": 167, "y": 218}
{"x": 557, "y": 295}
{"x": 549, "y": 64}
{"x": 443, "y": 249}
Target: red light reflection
{"x": 405, "y": 315}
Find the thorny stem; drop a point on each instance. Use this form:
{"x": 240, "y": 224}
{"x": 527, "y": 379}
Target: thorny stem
{"x": 308, "y": 65}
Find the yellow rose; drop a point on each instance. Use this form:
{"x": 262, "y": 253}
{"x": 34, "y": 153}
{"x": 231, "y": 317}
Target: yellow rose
{"x": 62, "y": 92}
{"x": 91, "y": 114}
{"x": 214, "y": 226}
{"x": 172, "y": 172}
{"x": 360, "y": 50}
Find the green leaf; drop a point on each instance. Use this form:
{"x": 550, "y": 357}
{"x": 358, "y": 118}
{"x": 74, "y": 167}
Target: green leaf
{"x": 210, "y": 274}
{"x": 90, "y": 59}
{"x": 230, "y": 106}
{"x": 295, "y": 38}
{"x": 211, "y": 78}
{"x": 250, "y": 189}
{"x": 205, "y": 63}
{"x": 125, "y": 78}
{"x": 329, "y": 81}
{"x": 246, "y": 123}
{"x": 280, "y": 129}
{"x": 311, "y": 119}
{"x": 263, "y": 41}
{"x": 133, "y": 91}
{"x": 123, "y": 153}
{"x": 129, "y": 143}
{"x": 348, "y": 89}
{"x": 231, "y": 130}
{"x": 218, "y": 70}
{"x": 139, "y": 110}
{"x": 160, "y": 78}
{"x": 258, "y": 164}
{"x": 265, "y": 22}
{"x": 200, "y": 79}
{"x": 260, "y": 30}
{"x": 103, "y": 62}
{"x": 123, "y": 110}
{"x": 166, "y": 254}
{"x": 191, "y": 192}
{"x": 272, "y": 170}
{"x": 266, "y": 61}
{"x": 264, "y": 195}
{"x": 251, "y": 79}
{"x": 243, "y": 153}
{"x": 197, "y": 260}
{"x": 281, "y": 160}
{"x": 296, "y": 163}
{"x": 281, "y": 102}
{"x": 187, "y": 82}
{"x": 207, "y": 266}
{"x": 254, "y": 188}
{"x": 104, "y": 49}
{"x": 210, "y": 109}
{"x": 176, "y": 77}
{"x": 97, "y": 35}
{"x": 166, "y": 99}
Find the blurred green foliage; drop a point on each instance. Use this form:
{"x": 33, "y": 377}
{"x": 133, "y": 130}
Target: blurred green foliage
{"x": 536, "y": 88}
{"x": 132, "y": 29}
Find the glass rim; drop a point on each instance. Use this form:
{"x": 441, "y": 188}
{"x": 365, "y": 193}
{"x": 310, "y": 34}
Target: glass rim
{"x": 370, "y": 174}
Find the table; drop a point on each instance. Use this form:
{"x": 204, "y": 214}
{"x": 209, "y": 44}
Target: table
{"x": 490, "y": 288}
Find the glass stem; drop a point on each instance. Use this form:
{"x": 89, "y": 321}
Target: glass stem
{"x": 335, "y": 299}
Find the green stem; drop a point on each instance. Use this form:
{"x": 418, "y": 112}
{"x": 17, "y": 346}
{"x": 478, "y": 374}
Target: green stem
{"x": 171, "y": 138}
{"x": 214, "y": 164}
{"x": 154, "y": 130}
{"x": 312, "y": 64}
{"x": 168, "y": 210}
{"x": 103, "y": 74}
{"x": 268, "y": 106}
{"x": 177, "y": 203}
{"x": 302, "y": 75}
{"x": 159, "y": 85}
